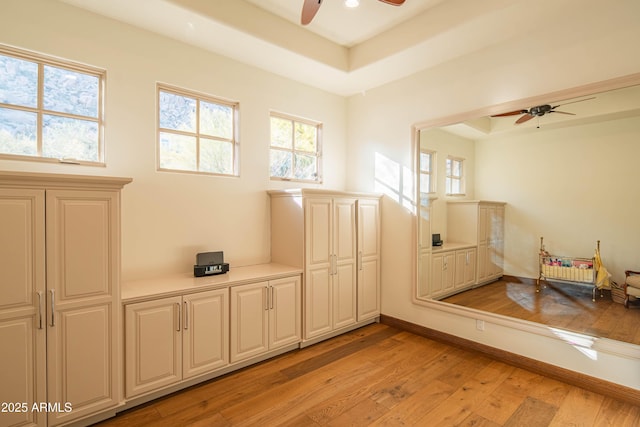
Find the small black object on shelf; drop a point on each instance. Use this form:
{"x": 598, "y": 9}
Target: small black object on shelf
{"x": 210, "y": 263}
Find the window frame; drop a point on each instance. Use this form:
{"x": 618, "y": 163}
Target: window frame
{"x": 431, "y": 172}
{"x": 450, "y": 177}
{"x": 43, "y": 60}
{"x": 317, "y": 154}
{"x": 199, "y": 97}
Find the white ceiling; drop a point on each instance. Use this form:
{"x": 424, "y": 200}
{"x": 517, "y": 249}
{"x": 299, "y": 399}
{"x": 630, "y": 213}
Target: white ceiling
{"x": 342, "y": 51}
{"x": 348, "y": 27}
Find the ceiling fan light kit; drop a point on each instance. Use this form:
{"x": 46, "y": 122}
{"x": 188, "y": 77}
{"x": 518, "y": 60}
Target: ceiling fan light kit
{"x": 310, "y": 8}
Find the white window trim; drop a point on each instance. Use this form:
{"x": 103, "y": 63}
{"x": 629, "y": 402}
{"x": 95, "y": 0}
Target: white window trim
{"x": 431, "y": 173}
{"x": 460, "y": 178}
{"x": 318, "y": 154}
{"x": 42, "y": 60}
{"x": 199, "y": 96}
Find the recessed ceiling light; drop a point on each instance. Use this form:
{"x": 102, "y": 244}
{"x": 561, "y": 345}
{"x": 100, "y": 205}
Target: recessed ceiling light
{"x": 351, "y": 3}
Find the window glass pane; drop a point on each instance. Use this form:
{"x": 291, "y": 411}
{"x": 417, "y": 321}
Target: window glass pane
{"x": 306, "y": 137}
{"x": 63, "y": 137}
{"x": 281, "y": 163}
{"x": 18, "y": 132}
{"x": 177, "y": 152}
{"x": 425, "y": 162}
{"x": 177, "y": 112}
{"x": 216, "y": 120}
{"x": 71, "y": 92}
{"x": 425, "y": 183}
{"x": 448, "y": 172}
{"x": 456, "y": 168}
{"x": 216, "y": 156}
{"x": 305, "y": 167}
{"x": 18, "y": 82}
{"x": 281, "y": 133}
{"x": 455, "y": 186}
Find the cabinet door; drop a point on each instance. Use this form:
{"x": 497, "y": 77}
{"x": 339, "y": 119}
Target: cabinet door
{"x": 460, "y": 266}
{"x": 470, "y": 266}
{"x": 437, "y": 274}
{"x": 205, "y": 332}
{"x": 344, "y": 290}
{"x": 153, "y": 343}
{"x": 82, "y": 232}
{"x": 449, "y": 271}
{"x": 496, "y": 238}
{"x": 22, "y": 317}
{"x": 249, "y": 320}
{"x": 284, "y": 311}
{"x": 318, "y": 268}
{"x": 368, "y": 259}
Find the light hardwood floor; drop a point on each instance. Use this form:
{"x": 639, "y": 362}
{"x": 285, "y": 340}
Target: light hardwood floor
{"x": 382, "y": 376}
{"x": 560, "y": 305}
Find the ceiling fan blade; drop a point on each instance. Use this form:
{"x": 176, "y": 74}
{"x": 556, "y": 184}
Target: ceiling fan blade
{"x": 511, "y": 113}
{"x": 524, "y": 118}
{"x": 393, "y": 2}
{"x": 573, "y": 102}
{"x": 309, "y": 10}
{"x": 562, "y": 112}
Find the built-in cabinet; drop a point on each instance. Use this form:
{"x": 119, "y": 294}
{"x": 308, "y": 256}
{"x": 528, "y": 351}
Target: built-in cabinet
{"x": 175, "y": 338}
{"x": 181, "y": 330}
{"x": 59, "y": 299}
{"x": 472, "y": 253}
{"x": 480, "y": 223}
{"x": 335, "y": 238}
{"x": 265, "y": 316}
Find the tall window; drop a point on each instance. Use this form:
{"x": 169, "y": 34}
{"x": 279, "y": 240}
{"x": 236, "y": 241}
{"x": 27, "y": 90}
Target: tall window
{"x": 455, "y": 178}
{"x": 295, "y": 149}
{"x": 427, "y": 181}
{"x": 196, "y": 132}
{"x": 49, "y": 108}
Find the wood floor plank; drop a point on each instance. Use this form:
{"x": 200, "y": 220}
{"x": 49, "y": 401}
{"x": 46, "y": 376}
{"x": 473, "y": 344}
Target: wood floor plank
{"x": 559, "y": 305}
{"x": 532, "y": 413}
{"x": 567, "y": 415}
{"x": 381, "y": 376}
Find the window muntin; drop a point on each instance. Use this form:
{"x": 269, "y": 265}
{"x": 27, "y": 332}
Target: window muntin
{"x": 427, "y": 181}
{"x": 50, "y": 109}
{"x": 196, "y": 132}
{"x": 455, "y": 179}
{"x": 295, "y": 149}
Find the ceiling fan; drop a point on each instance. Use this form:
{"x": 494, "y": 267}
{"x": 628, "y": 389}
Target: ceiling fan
{"x": 539, "y": 111}
{"x": 310, "y": 8}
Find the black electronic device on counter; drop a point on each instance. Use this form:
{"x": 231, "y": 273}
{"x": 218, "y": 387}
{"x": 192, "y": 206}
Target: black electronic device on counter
{"x": 436, "y": 240}
{"x": 210, "y": 263}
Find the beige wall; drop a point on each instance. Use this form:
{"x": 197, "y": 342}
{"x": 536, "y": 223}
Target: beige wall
{"x": 589, "y": 45}
{"x": 168, "y": 217}
{"x": 574, "y": 186}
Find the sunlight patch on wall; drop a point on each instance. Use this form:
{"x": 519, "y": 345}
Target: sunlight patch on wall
{"x": 395, "y": 181}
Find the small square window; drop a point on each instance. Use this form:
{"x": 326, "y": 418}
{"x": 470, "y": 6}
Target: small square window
{"x": 196, "y": 133}
{"x": 455, "y": 178}
{"x": 295, "y": 149}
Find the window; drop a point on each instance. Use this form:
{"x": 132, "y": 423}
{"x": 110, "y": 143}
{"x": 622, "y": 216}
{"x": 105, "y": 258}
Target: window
{"x": 295, "y": 149}
{"x": 455, "y": 178}
{"x": 50, "y": 109}
{"x": 196, "y": 132}
{"x": 427, "y": 181}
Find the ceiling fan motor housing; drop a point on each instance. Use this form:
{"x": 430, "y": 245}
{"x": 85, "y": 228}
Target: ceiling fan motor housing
{"x": 540, "y": 110}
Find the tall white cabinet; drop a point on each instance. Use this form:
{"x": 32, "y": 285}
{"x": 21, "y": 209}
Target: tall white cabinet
{"x": 480, "y": 223}
{"x": 59, "y": 299}
{"x": 334, "y": 237}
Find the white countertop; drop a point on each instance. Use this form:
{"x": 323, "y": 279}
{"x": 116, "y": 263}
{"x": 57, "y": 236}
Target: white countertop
{"x": 452, "y": 246}
{"x": 183, "y": 283}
